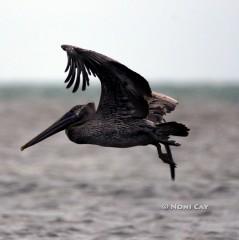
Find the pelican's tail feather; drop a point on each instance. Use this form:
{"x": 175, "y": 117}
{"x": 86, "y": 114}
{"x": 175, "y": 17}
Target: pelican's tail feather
{"x": 173, "y": 129}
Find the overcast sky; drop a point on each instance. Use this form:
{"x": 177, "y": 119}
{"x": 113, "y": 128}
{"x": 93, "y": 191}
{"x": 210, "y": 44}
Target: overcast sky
{"x": 181, "y": 40}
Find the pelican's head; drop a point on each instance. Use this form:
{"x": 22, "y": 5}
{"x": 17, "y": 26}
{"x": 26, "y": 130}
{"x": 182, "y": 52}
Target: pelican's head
{"x": 78, "y": 115}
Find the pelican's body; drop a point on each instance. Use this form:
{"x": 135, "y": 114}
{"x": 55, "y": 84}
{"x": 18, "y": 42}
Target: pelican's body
{"x": 113, "y": 133}
{"x": 129, "y": 113}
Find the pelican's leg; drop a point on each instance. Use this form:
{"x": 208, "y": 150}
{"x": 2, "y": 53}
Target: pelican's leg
{"x": 167, "y": 158}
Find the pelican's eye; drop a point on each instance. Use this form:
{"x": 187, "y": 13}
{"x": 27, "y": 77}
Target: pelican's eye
{"x": 77, "y": 110}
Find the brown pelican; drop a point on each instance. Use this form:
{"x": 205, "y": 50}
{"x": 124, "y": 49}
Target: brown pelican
{"x": 129, "y": 113}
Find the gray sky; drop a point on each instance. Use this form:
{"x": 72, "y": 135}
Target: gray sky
{"x": 182, "y": 40}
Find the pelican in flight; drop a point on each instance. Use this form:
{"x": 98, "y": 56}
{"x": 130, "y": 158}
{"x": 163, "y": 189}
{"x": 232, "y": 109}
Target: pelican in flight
{"x": 129, "y": 113}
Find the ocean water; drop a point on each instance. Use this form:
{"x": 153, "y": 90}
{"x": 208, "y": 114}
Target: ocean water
{"x": 60, "y": 190}
{"x": 221, "y": 92}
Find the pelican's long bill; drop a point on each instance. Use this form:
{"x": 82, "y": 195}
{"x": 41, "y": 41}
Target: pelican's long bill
{"x": 64, "y": 122}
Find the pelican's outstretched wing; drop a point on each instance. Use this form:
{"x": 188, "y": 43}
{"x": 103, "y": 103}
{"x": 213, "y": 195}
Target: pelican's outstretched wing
{"x": 159, "y": 105}
{"x": 123, "y": 91}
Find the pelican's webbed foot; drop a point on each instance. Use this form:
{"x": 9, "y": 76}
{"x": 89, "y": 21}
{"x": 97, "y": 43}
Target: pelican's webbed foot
{"x": 167, "y": 158}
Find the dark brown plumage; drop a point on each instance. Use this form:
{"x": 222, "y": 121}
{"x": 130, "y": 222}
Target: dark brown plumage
{"x": 129, "y": 113}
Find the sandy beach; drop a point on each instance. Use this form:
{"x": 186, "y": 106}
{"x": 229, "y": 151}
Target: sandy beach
{"x": 60, "y": 190}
